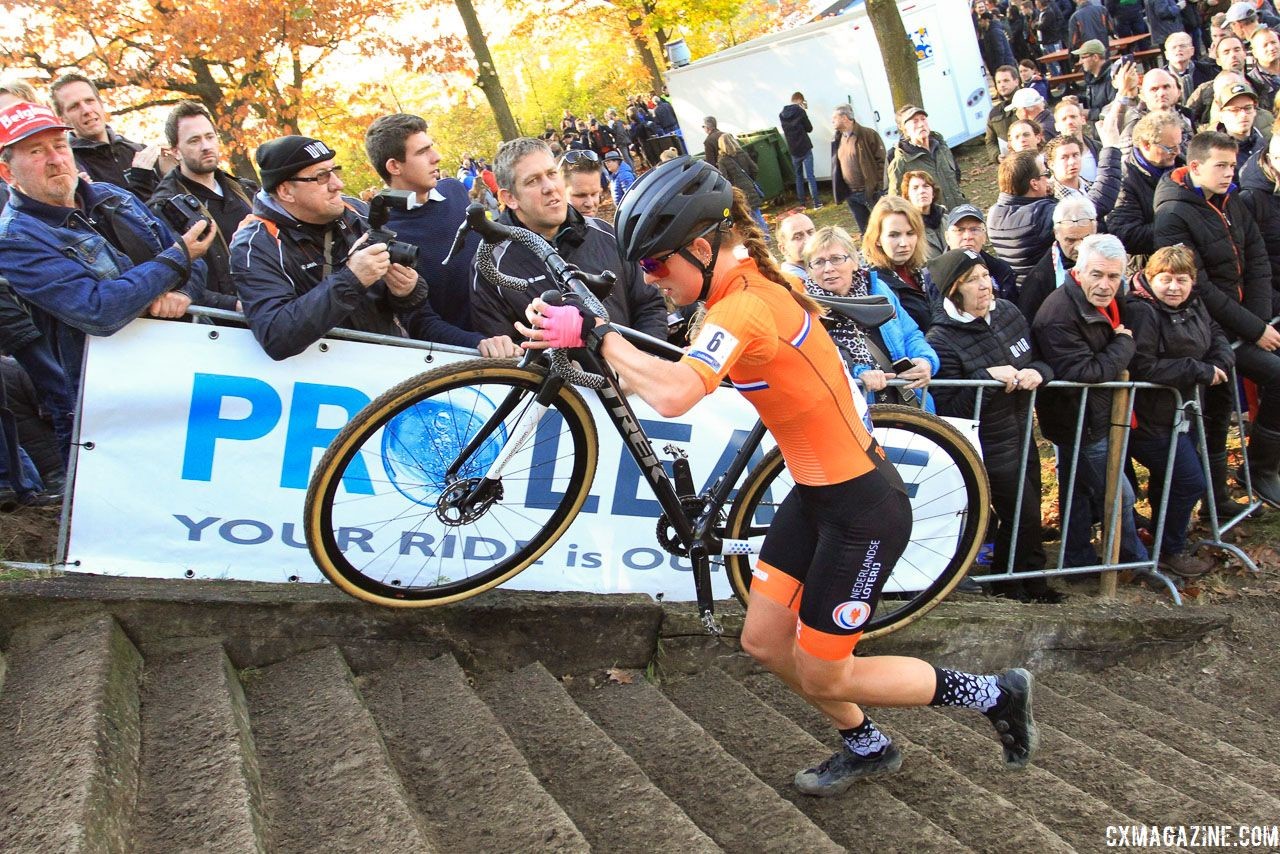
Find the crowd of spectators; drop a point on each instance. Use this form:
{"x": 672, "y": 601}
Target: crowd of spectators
{"x": 1136, "y": 233}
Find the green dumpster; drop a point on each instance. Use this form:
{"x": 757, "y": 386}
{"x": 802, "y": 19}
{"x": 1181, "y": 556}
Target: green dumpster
{"x": 761, "y": 147}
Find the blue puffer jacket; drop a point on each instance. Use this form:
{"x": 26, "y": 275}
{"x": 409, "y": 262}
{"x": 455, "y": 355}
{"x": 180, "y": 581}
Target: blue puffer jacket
{"x": 621, "y": 181}
{"x": 902, "y": 338}
{"x": 1021, "y": 230}
{"x": 75, "y": 281}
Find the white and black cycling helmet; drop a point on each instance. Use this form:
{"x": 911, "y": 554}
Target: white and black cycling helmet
{"x": 670, "y": 205}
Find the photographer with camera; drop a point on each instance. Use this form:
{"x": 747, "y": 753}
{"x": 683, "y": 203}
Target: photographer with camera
{"x": 197, "y": 187}
{"x": 305, "y": 262}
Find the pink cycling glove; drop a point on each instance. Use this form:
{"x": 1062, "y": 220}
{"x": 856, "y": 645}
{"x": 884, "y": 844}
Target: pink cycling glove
{"x": 562, "y": 325}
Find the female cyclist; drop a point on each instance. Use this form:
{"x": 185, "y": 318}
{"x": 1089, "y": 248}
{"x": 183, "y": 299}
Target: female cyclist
{"x": 837, "y": 535}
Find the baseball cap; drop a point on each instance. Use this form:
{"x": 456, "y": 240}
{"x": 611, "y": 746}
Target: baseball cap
{"x": 1023, "y": 99}
{"x": 23, "y": 119}
{"x": 908, "y": 112}
{"x": 1235, "y": 90}
{"x": 960, "y": 212}
{"x": 282, "y": 158}
{"x": 1092, "y": 46}
{"x": 949, "y": 268}
{"x": 1240, "y": 12}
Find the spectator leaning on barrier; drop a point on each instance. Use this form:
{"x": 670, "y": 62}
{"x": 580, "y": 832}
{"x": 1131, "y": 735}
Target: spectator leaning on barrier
{"x": 1020, "y": 222}
{"x": 87, "y": 258}
{"x": 1081, "y": 331}
{"x": 832, "y": 259}
{"x": 532, "y": 189}
{"x": 1073, "y": 220}
{"x": 1157, "y": 141}
{"x": 978, "y": 336}
{"x": 303, "y": 266}
{"x": 100, "y": 152}
{"x": 1177, "y": 345}
{"x": 920, "y": 148}
{"x": 401, "y": 149}
{"x": 193, "y": 139}
{"x": 1197, "y": 206}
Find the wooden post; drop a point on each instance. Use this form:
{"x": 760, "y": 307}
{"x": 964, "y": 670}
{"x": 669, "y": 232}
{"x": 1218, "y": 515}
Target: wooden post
{"x": 1115, "y": 471}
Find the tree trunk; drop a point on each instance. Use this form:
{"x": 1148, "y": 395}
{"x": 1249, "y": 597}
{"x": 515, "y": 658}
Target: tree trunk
{"x": 636, "y": 22}
{"x": 898, "y": 52}
{"x": 487, "y": 73}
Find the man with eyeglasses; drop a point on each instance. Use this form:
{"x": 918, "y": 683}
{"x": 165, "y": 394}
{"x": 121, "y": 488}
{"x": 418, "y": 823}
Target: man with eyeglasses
{"x": 1158, "y": 142}
{"x": 1021, "y": 221}
{"x": 532, "y": 188}
{"x": 966, "y": 229}
{"x": 1074, "y": 219}
{"x": 1236, "y": 109}
{"x": 303, "y": 264}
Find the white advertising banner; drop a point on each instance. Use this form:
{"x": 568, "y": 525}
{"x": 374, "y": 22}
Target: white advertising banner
{"x": 199, "y": 448}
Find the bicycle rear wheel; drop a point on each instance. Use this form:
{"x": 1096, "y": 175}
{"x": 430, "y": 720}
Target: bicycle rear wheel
{"x": 399, "y": 513}
{"x": 950, "y": 501}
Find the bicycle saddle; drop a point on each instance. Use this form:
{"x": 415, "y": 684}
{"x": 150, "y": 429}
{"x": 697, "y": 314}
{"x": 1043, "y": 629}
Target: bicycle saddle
{"x": 870, "y": 311}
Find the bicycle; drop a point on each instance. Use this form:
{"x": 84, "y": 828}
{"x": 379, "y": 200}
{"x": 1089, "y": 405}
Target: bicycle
{"x": 488, "y": 461}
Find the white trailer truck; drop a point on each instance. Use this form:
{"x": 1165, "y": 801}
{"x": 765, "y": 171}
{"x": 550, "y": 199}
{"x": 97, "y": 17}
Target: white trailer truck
{"x": 836, "y": 61}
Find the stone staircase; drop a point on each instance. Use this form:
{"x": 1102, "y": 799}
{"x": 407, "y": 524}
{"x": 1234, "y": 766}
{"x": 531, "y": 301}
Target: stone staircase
{"x": 110, "y": 745}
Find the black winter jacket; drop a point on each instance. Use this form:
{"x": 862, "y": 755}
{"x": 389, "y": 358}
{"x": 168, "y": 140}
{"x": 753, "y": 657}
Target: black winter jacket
{"x": 1258, "y": 191}
{"x": 1176, "y": 347}
{"x": 1041, "y": 282}
{"x": 227, "y": 210}
{"x": 1098, "y": 92}
{"x": 920, "y": 304}
{"x": 1021, "y": 230}
{"x": 1078, "y": 343}
{"x": 112, "y": 162}
{"x": 586, "y": 242}
{"x": 277, "y": 264}
{"x": 1234, "y": 278}
{"x": 966, "y": 348}
{"x": 1134, "y": 215}
{"x": 796, "y": 127}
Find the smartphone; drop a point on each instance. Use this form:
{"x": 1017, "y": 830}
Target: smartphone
{"x": 908, "y": 395}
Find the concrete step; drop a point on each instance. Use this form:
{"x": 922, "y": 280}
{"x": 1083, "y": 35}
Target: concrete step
{"x": 468, "y": 780}
{"x": 610, "y": 799}
{"x": 983, "y": 820}
{"x": 1077, "y": 817}
{"x": 69, "y": 737}
{"x": 718, "y": 792}
{"x": 1203, "y": 745}
{"x": 866, "y": 818}
{"x": 1235, "y": 723}
{"x": 200, "y": 786}
{"x": 1210, "y": 785}
{"x": 327, "y": 778}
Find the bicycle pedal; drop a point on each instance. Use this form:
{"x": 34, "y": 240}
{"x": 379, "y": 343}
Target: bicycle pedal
{"x": 711, "y": 625}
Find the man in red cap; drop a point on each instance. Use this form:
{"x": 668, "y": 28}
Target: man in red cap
{"x": 88, "y": 258}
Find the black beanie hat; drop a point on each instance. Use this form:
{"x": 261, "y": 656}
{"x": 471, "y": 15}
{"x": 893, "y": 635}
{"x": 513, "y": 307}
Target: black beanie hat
{"x": 949, "y": 268}
{"x": 282, "y": 158}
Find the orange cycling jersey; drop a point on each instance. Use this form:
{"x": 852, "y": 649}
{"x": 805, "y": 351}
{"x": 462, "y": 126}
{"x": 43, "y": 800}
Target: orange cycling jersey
{"x": 781, "y": 358}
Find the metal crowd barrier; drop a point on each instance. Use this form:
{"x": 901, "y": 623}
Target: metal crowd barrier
{"x": 1187, "y": 415}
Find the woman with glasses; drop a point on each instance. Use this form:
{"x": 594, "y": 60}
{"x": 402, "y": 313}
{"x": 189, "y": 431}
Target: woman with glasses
{"x": 839, "y": 532}
{"x": 834, "y": 270}
{"x": 919, "y": 188}
{"x": 978, "y": 336}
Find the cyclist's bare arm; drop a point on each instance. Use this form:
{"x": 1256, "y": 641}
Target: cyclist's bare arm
{"x": 671, "y": 388}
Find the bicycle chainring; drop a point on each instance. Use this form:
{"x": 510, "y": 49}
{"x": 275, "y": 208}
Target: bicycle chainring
{"x": 666, "y": 533}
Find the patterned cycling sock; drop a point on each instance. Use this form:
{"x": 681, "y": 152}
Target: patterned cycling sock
{"x": 965, "y": 690}
{"x": 865, "y": 739}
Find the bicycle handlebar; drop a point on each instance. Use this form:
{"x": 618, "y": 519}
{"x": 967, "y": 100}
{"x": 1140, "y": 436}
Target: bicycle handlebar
{"x": 568, "y": 278}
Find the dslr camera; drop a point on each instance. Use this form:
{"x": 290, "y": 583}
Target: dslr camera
{"x": 404, "y": 254}
{"x": 183, "y": 212}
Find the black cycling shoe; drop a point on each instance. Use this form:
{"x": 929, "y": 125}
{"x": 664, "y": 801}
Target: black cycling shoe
{"x": 1012, "y": 718}
{"x": 844, "y": 768}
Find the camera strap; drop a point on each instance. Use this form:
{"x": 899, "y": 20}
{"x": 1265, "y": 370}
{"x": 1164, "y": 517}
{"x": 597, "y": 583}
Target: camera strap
{"x": 328, "y": 254}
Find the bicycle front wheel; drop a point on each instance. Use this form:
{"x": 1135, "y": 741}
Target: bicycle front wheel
{"x": 400, "y": 511}
{"x": 950, "y": 501}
